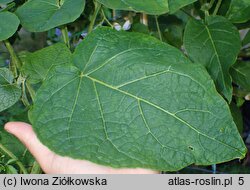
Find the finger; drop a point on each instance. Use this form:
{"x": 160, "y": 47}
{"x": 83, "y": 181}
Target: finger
{"x": 26, "y": 135}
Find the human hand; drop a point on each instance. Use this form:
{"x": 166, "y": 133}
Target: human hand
{"x": 52, "y": 163}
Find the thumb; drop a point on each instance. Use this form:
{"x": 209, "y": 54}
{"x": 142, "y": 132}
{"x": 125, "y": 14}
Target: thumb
{"x": 26, "y": 135}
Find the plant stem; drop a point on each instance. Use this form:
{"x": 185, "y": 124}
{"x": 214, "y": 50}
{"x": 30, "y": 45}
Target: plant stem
{"x": 31, "y": 90}
{"x": 24, "y": 95}
{"x": 206, "y": 16}
{"x": 114, "y": 14}
{"x": 211, "y": 4}
{"x": 105, "y": 19}
{"x": 217, "y": 7}
{"x": 93, "y": 19}
{"x": 15, "y": 66}
{"x": 12, "y": 156}
{"x": 214, "y": 168}
{"x": 65, "y": 36}
{"x": 144, "y": 19}
{"x": 158, "y": 28}
{"x": 8, "y": 7}
{"x": 15, "y": 63}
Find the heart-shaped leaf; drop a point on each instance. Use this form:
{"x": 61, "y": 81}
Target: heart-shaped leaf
{"x": 239, "y": 11}
{"x": 9, "y": 93}
{"x": 147, "y": 6}
{"x": 216, "y": 45}
{"x": 129, "y": 100}
{"x": 39, "y": 16}
{"x": 8, "y": 25}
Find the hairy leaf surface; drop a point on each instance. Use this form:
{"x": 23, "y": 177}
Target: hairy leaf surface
{"x": 239, "y": 11}
{"x": 147, "y": 6}
{"x": 39, "y": 16}
{"x": 8, "y": 25}
{"x": 9, "y": 93}
{"x": 214, "y": 44}
{"x": 123, "y": 103}
{"x": 38, "y": 64}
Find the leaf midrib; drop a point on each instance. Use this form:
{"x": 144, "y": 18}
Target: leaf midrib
{"x": 161, "y": 109}
{"x": 216, "y": 54}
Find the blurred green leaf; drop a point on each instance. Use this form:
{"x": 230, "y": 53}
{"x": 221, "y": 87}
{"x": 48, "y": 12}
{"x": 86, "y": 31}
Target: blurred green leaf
{"x": 175, "y": 5}
{"x": 240, "y": 73}
{"x": 216, "y": 45}
{"x": 8, "y": 25}
{"x": 246, "y": 40}
{"x": 39, "y": 16}
{"x": 239, "y": 11}
{"x": 237, "y": 116}
{"x": 38, "y": 64}
{"x": 9, "y": 92}
{"x": 147, "y": 6}
{"x": 138, "y": 27}
{"x": 16, "y": 147}
{"x": 11, "y": 170}
{"x": 3, "y": 2}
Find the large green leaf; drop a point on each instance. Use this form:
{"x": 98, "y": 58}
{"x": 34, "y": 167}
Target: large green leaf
{"x": 147, "y": 6}
{"x": 241, "y": 74}
{"x": 38, "y": 16}
{"x": 9, "y": 93}
{"x": 239, "y": 11}
{"x": 8, "y": 25}
{"x": 129, "y": 100}
{"x": 37, "y": 64}
{"x": 214, "y": 44}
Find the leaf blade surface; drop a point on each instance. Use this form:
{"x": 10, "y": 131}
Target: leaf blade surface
{"x": 216, "y": 46}
{"x": 8, "y": 25}
{"x": 9, "y": 92}
{"x": 124, "y": 105}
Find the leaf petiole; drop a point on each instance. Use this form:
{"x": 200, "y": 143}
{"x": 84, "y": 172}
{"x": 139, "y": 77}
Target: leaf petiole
{"x": 217, "y": 7}
{"x": 65, "y": 36}
{"x": 158, "y": 28}
{"x": 15, "y": 63}
{"x": 93, "y": 19}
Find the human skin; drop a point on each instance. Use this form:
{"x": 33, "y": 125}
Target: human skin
{"x": 52, "y": 163}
